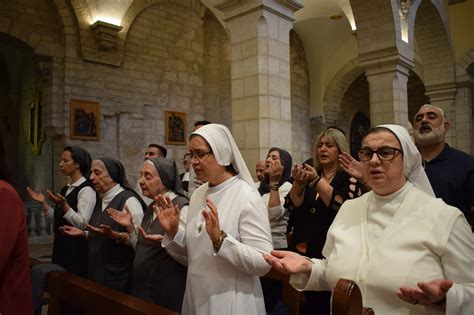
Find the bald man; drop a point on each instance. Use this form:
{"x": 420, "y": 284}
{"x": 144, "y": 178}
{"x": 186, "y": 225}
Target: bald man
{"x": 450, "y": 171}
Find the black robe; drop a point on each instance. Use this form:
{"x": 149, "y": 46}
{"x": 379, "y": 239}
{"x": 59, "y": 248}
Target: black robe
{"x": 157, "y": 277}
{"x": 110, "y": 263}
{"x": 69, "y": 252}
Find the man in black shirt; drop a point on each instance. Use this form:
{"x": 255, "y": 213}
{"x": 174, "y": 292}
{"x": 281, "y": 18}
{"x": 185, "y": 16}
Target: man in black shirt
{"x": 450, "y": 171}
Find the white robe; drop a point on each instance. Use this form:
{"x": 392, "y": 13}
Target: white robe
{"x": 226, "y": 282}
{"x": 383, "y": 243}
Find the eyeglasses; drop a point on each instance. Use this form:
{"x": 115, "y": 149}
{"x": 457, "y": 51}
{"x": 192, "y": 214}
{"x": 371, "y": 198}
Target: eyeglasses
{"x": 383, "y": 153}
{"x": 199, "y": 156}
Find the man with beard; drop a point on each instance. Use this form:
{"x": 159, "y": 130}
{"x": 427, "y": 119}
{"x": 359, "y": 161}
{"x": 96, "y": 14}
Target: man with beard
{"x": 260, "y": 172}
{"x": 450, "y": 171}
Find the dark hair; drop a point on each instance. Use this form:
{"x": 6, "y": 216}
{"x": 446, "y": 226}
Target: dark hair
{"x": 201, "y": 123}
{"x": 159, "y": 147}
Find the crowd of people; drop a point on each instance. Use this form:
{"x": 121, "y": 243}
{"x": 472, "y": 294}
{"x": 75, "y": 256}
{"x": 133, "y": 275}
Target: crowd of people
{"x": 394, "y": 219}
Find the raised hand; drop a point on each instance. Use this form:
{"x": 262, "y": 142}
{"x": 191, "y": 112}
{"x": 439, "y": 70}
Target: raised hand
{"x": 56, "y": 198}
{"x": 289, "y": 262}
{"x": 36, "y": 195}
{"x": 274, "y": 171}
{"x": 124, "y": 218}
{"x": 351, "y": 166}
{"x": 102, "y": 230}
{"x": 152, "y": 239}
{"x": 71, "y": 231}
{"x": 299, "y": 174}
{"x": 167, "y": 214}
{"x": 311, "y": 172}
{"x": 212, "y": 221}
{"x": 426, "y": 293}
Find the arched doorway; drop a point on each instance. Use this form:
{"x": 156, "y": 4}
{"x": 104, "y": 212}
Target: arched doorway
{"x": 21, "y": 98}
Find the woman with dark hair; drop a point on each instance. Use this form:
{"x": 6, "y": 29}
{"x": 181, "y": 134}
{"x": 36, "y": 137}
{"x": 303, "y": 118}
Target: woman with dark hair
{"x": 226, "y": 230}
{"x": 157, "y": 277}
{"x": 273, "y": 189}
{"x": 74, "y": 206}
{"x": 314, "y": 200}
{"x": 409, "y": 253}
{"x": 110, "y": 263}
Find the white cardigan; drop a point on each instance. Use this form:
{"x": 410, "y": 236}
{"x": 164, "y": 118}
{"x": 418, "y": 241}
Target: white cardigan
{"x": 425, "y": 239}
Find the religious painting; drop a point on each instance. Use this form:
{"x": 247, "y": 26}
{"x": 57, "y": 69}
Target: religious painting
{"x": 84, "y": 120}
{"x": 175, "y": 128}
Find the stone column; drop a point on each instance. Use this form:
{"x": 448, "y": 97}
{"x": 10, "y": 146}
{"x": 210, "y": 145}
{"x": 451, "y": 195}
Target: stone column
{"x": 388, "y": 77}
{"x": 260, "y": 74}
{"x": 464, "y": 117}
{"x": 443, "y": 95}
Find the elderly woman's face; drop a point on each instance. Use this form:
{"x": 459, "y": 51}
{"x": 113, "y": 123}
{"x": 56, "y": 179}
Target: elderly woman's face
{"x": 327, "y": 151}
{"x": 203, "y": 161}
{"x": 150, "y": 181}
{"x": 100, "y": 178}
{"x": 385, "y": 177}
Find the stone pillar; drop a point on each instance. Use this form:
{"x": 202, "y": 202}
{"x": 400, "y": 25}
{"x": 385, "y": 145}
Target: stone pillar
{"x": 260, "y": 74}
{"x": 464, "y": 117}
{"x": 388, "y": 77}
{"x": 443, "y": 95}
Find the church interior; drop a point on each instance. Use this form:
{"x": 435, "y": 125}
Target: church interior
{"x": 275, "y": 72}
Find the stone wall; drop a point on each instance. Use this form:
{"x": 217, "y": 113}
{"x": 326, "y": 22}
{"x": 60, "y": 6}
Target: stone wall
{"x": 301, "y": 145}
{"x": 217, "y": 98}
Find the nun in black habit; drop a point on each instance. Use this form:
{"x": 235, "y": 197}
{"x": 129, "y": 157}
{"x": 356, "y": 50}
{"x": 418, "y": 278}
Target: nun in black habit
{"x": 157, "y": 277}
{"x": 74, "y": 207}
{"x": 110, "y": 262}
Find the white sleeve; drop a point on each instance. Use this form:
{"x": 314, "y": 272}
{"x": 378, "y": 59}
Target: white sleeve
{"x": 86, "y": 200}
{"x": 136, "y": 210}
{"x": 245, "y": 253}
{"x": 277, "y": 212}
{"x": 176, "y": 247}
{"x": 49, "y": 215}
{"x": 458, "y": 264}
{"x": 316, "y": 281}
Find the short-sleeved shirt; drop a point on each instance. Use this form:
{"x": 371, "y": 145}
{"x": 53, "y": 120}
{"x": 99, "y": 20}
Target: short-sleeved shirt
{"x": 451, "y": 175}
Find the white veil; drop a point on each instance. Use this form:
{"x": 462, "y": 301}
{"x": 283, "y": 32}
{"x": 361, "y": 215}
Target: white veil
{"x": 412, "y": 161}
{"x": 224, "y": 148}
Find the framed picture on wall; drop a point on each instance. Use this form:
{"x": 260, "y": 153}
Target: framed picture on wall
{"x": 84, "y": 120}
{"x": 175, "y": 128}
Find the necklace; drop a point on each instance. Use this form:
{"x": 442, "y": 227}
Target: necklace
{"x": 329, "y": 178}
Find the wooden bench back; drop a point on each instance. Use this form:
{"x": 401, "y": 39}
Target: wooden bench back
{"x": 94, "y": 298}
{"x": 347, "y": 300}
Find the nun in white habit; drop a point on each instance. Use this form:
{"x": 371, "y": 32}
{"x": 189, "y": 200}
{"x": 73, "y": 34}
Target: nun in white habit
{"x": 226, "y": 232}
{"x": 409, "y": 252}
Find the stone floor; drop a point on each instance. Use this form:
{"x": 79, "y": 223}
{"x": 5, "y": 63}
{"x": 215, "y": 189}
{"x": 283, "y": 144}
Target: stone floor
{"x": 41, "y": 251}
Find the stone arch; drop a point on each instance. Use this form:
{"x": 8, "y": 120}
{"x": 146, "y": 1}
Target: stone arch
{"x": 434, "y": 45}
{"x": 139, "y": 6}
{"x": 337, "y": 87}
{"x": 372, "y": 38}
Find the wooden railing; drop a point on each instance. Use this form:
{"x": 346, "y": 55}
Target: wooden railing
{"x": 347, "y": 300}
{"x": 93, "y": 298}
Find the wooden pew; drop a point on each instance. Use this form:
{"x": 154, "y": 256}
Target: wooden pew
{"x": 94, "y": 298}
{"x": 291, "y": 296}
{"x": 347, "y": 300}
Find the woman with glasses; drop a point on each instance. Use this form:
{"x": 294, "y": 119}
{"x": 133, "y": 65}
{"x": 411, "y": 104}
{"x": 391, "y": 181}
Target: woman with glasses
{"x": 409, "y": 252}
{"x": 226, "y": 232}
{"x": 314, "y": 200}
{"x": 74, "y": 207}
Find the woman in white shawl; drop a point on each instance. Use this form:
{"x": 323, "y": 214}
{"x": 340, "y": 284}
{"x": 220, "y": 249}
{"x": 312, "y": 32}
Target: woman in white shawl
{"x": 226, "y": 232}
{"x": 409, "y": 252}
